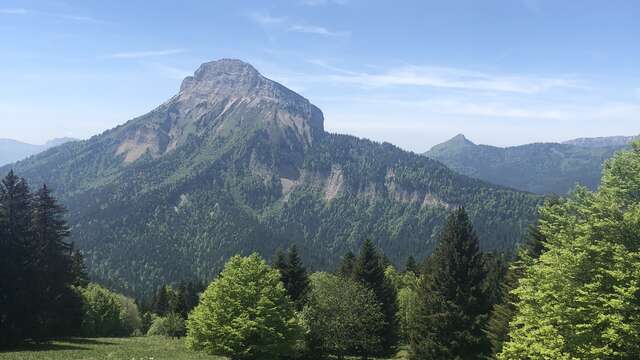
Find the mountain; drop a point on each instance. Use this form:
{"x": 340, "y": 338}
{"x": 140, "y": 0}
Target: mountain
{"x": 540, "y": 168}
{"x": 236, "y": 163}
{"x": 13, "y": 150}
{"x": 608, "y": 141}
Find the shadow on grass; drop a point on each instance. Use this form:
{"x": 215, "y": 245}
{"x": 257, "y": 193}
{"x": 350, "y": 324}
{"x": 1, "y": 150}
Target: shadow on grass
{"x": 60, "y": 344}
{"x": 43, "y": 347}
{"x": 86, "y": 341}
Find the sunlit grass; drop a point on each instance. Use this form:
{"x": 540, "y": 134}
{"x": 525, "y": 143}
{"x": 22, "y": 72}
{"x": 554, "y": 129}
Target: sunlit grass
{"x": 135, "y": 348}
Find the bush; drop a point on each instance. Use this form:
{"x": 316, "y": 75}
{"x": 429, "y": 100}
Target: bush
{"x": 106, "y": 313}
{"x": 342, "y": 316}
{"x": 171, "y": 325}
{"x": 244, "y": 314}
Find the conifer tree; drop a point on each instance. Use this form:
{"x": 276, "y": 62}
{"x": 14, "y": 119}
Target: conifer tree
{"x": 280, "y": 264}
{"x": 36, "y": 272}
{"x": 411, "y": 265}
{"x": 297, "y": 284}
{"x": 160, "y": 303}
{"x": 369, "y": 270}
{"x": 452, "y": 309}
{"x": 16, "y": 267}
{"x": 59, "y": 304}
{"x": 347, "y": 264}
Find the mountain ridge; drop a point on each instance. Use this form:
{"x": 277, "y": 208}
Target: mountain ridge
{"x": 213, "y": 172}
{"x": 541, "y": 168}
{"x": 14, "y": 150}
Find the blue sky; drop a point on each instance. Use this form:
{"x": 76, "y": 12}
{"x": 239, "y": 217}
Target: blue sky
{"x": 413, "y": 73}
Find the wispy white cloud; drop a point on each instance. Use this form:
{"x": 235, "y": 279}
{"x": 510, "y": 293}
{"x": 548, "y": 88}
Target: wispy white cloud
{"x": 71, "y": 17}
{"x": 446, "y": 77}
{"x": 16, "y": 11}
{"x": 145, "y": 54}
{"x": 265, "y": 18}
{"x": 318, "y": 30}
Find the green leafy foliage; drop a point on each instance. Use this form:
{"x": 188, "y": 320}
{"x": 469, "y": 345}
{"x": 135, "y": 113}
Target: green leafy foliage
{"x": 172, "y": 325}
{"x": 405, "y": 285}
{"x": 343, "y": 318}
{"x": 107, "y": 313}
{"x": 579, "y": 300}
{"x": 244, "y": 314}
{"x": 504, "y": 309}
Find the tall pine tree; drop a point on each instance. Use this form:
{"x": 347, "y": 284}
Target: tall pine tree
{"x": 347, "y": 264}
{"x": 17, "y": 321}
{"x": 38, "y": 266}
{"x": 59, "y": 304}
{"x": 452, "y": 309}
{"x": 369, "y": 270}
{"x": 297, "y": 279}
{"x": 293, "y": 275}
{"x": 411, "y": 265}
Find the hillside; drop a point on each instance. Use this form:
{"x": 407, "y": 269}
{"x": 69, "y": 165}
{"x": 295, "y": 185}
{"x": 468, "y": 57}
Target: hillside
{"x": 236, "y": 163}
{"x": 13, "y": 150}
{"x": 540, "y": 168}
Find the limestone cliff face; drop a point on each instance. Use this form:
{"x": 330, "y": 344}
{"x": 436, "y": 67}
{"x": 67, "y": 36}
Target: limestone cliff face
{"x": 223, "y": 99}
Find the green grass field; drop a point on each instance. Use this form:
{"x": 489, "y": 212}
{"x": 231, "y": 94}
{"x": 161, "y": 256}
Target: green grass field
{"x": 135, "y": 348}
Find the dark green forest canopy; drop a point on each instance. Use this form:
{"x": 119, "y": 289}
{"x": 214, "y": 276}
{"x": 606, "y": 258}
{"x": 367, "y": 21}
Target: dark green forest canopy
{"x": 171, "y": 195}
{"x": 539, "y": 168}
{"x": 161, "y": 220}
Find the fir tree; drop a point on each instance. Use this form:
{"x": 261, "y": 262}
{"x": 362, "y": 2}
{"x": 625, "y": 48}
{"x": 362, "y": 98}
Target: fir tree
{"x": 411, "y": 265}
{"x": 78, "y": 268}
{"x": 347, "y": 264}
{"x": 160, "y": 303}
{"x": 280, "y": 264}
{"x": 369, "y": 270}
{"x": 452, "y": 309}
{"x": 59, "y": 304}
{"x": 297, "y": 284}
{"x": 17, "y": 321}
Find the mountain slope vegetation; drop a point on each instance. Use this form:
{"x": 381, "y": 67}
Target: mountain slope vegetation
{"x": 540, "y": 168}
{"x": 236, "y": 163}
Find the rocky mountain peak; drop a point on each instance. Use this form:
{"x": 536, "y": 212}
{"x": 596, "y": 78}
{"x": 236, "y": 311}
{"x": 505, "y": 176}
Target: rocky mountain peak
{"x": 221, "y": 74}
{"x": 224, "y": 99}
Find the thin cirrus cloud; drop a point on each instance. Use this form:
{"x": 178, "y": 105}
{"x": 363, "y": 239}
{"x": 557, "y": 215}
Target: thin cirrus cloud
{"x": 72, "y": 17}
{"x": 265, "y": 19}
{"x": 145, "y": 54}
{"x": 17, "y": 11}
{"x": 318, "y": 30}
{"x": 446, "y": 77}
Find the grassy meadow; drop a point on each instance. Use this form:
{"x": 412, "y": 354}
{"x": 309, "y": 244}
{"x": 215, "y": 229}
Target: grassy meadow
{"x": 133, "y": 348}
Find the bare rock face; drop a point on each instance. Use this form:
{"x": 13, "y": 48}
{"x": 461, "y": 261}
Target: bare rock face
{"x": 224, "y": 98}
